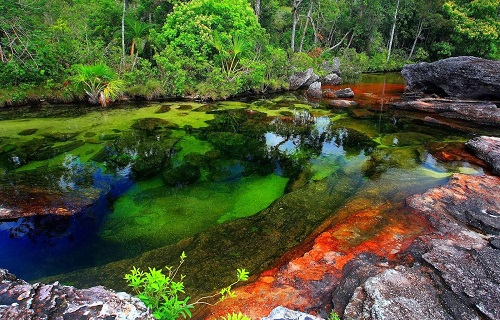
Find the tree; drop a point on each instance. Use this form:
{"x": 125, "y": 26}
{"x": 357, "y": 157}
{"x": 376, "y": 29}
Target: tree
{"x": 393, "y": 29}
{"x": 198, "y": 34}
{"x": 476, "y": 25}
{"x": 295, "y": 17}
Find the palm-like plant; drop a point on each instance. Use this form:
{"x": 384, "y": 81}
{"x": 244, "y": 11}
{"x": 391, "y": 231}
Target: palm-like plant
{"x": 99, "y": 82}
{"x": 138, "y": 31}
{"x": 229, "y": 54}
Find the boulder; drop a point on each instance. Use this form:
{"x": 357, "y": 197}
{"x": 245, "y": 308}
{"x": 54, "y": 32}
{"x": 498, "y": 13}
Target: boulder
{"x": 461, "y": 77}
{"x": 21, "y": 300}
{"x": 303, "y": 79}
{"x": 331, "y": 79}
{"x": 342, "y": 93}
{"x": 314, "y": 90}
{"x": 488, "y": 150}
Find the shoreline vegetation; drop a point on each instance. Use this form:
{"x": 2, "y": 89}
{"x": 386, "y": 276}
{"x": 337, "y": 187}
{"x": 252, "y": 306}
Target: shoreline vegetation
{"x": 101, "y": 51}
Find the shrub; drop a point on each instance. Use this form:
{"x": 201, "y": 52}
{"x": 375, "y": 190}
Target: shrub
{"x": 162, "y": 292}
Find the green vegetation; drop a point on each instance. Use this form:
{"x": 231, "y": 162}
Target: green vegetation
{"x": 213, "y": 49}
{"x": 162, "y": 292}
{"x": 235, "y": 316}
{"x": 333, "y": 316}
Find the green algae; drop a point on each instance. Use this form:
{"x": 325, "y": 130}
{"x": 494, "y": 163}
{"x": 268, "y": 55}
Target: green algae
{"x": 403, "y": 139}
{"x": 323, "y": 167}
{"x": 190, "y": 145}
{"x": 151, "y": 214}
{"x": 254, "y": 242}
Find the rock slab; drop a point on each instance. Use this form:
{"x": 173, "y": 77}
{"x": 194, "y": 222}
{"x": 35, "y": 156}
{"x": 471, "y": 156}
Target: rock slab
{"x": 488, "y": 150}
{"x": 461, "y": 77}
{"x": 479, "y": 112}
{"x": 23, "y": 301}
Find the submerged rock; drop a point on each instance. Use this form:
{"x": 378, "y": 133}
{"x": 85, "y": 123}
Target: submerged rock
{"x": 342, "y": 103}
{"x": 21, "y": 300}
{"x": 27, "y": 132}
{"x": 61, "y": 191}
{"x": 153, "y": 124}
{"x": 181, "y": 175}
{"x": 461, "y": 77}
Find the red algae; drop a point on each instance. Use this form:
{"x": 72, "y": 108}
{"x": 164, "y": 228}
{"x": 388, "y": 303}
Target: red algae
{"x": 302, "y": 283}
{"x": 376, "y": 96}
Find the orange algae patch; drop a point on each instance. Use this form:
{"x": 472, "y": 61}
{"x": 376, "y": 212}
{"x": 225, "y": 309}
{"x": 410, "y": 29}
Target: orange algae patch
{"x": 378, "y": 230}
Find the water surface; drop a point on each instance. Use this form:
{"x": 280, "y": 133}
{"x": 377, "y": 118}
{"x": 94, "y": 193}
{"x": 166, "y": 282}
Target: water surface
{"x": 116, "y": 183}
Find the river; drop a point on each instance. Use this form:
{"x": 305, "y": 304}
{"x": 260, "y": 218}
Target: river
{"x": 92, "y": 192}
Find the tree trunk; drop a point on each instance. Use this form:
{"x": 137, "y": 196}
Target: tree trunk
{"x": 419, "y": 32}
{"x": 257, "y": 9}
{"x": 123, "y": 29}
{"x": 392, "y": 32}
{"x": 295, "y": 6}
{"x": 305, "y": 26}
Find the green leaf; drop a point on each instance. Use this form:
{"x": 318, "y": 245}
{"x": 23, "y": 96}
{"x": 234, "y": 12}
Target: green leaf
{"x": 243, "y": 274}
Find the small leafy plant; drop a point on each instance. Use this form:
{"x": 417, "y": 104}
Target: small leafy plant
{"x": 162, "y": 292}
{"x": 235, "y": 316}
{"x": 333, "y": 316}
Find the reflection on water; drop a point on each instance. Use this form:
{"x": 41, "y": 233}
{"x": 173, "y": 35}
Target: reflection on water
{"x": 103, "y": 185}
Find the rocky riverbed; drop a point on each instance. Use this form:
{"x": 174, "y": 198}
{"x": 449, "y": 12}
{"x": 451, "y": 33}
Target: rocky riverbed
{"x": 435, "y": 255}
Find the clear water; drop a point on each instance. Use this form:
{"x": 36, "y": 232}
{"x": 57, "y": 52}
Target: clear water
{"x": 230, "y": 182}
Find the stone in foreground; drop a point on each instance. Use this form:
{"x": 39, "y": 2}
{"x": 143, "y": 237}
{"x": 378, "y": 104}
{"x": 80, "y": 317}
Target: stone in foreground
{"x": 23, "y": 301}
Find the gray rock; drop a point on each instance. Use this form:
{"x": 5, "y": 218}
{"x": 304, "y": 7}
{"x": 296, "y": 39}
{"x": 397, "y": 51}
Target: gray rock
{"x": 314, "y": 90}
{"x": 331, "y": 79}
{"x": 473, "y": 275}
{"x": 23, "y": 301}
{"x": 344, "y": 93}
{"x": 473, "y": 111}
{"x": 354, "y": 274}
{"x": 303, "y": 79}
{"x": 282, "y": 313}
{"x": 400, "y": 293}
{"x": 462, "y": 77}
{"x": 487, "y": 149}
{"x": 342, "y": 103}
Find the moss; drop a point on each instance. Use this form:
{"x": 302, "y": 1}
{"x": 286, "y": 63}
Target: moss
{"x": 403, "y": 139}
{"x": 154, "y": 215}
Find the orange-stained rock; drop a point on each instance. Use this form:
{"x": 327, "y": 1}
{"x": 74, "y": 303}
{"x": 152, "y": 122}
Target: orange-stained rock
{"x": 305, "y": 281}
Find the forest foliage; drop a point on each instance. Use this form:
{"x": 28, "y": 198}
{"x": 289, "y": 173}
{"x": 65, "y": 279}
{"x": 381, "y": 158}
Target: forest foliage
{"x": 221, "y": 48}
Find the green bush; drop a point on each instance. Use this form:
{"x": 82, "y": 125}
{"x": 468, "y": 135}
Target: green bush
{"x": 162, "y": 292}
{"x": 352, "y": 65}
